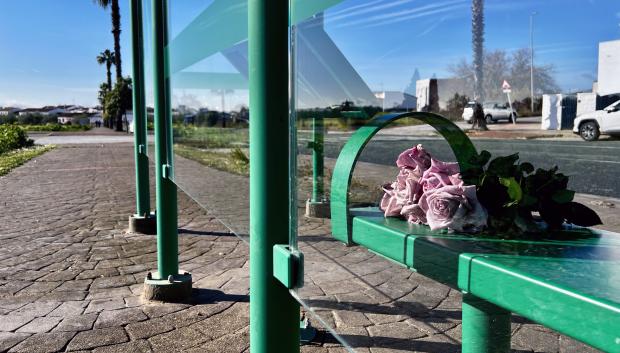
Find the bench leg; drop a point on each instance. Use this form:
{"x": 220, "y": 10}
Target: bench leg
{"x": 486, "y": 327}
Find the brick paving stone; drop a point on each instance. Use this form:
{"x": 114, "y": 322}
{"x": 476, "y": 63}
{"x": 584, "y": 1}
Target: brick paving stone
{"x": 69, "y": 308}
{"x": 177, "y": 340}
{"x": 97, "y": 338}
{"x": 77, "y": 285}
{"x": 120, "y": 317}
{"x": 40, "y": 325}
{"x": 140, "y": 346}
{"x": 98, "y": 305}
{"x": 146, "y": 329}
{"x": 77, "y": 323}
{"x": 44, "y": 343}
{"x": 11, "y": 322}
{"x": 10, "y": 339}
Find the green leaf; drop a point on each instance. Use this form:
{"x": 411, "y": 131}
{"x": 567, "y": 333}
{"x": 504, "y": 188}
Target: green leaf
{"x": 563, "y": 196}
{"x": 503, "y": 166}
{"x": 528, "y": 200}
{"x": 514, "y": 190}
{"x": 526, "y": 167}
{"x": 526, "y": 224}
{"x": 481, "y": 159}
{"x": 552, "y": 214}
{"x": 580, "y": 215}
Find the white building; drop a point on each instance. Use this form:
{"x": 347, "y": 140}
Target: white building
{"x": 8, "y": 110}
{"x": 396, "y": 100}
{"x": 609, "y": 67}
{"x": 435, "y": 93}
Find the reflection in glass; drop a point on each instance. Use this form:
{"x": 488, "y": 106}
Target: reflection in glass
{"x": 354, "y": 60}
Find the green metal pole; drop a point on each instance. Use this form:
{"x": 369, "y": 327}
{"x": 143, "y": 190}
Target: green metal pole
{"x": 274, "y": 314}
{"x": 486, "y": 327}
{"x": 143, "y": 197}
{"x": 317, "y": 159}
{"x": 166, "y": 191}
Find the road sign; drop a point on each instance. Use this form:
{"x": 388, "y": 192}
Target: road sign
{"x": 505, "y": 85}
{"x": 507, "y": 90}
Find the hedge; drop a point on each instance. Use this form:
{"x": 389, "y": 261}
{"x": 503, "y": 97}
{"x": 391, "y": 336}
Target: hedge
{"x": 13, "y": 137}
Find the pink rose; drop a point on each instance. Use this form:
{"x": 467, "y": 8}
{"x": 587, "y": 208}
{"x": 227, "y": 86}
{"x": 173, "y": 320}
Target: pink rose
{"x": 414, "y": 213}
{"x": 455, "y": 207}
{"x": 393, "y": 199}
{"x": 406, "y": 190}
{"x": 413, "y": 158}
{"x": 440, "y": 174}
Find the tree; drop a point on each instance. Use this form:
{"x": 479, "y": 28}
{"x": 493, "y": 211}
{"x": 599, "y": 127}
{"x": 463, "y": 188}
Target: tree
{"x": 514, "y": 68}
{"x": 455, "y": 106}
{"x": 107, "y": 58}
{"x": 477, "y": 41}
{"x": 117, "y": 101}
{"x": 101, "y": 97}
{"x": 116, "y": 32}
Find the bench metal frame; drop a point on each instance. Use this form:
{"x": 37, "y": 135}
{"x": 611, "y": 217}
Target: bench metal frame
{"x": 494, "y": 275}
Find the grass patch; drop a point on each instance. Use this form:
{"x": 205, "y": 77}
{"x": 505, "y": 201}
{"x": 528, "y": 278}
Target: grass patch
{"x": 235, "y": 161}
{"x": 13, "y": 159}
{"x": 55, "y": 127}
{"x": 210, "y": 137}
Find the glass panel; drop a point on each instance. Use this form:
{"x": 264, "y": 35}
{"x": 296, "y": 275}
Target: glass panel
{"x": 356, "y": 60}
{"x": 209, "y": 84}
{"x": 147, "y": 25}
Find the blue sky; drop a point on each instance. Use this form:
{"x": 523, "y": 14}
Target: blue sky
{"x": 49, "y": 46}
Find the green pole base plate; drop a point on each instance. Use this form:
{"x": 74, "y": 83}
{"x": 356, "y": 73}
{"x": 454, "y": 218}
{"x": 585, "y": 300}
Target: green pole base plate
{"x": 174, "y": 289}
{"x": 317, "y": 209}
{"x": 142, "y": 224}
{"x": 307, "y": 333}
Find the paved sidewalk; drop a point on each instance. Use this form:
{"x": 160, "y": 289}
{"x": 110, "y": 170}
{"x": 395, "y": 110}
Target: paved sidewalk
{"x": 70, "y": 276}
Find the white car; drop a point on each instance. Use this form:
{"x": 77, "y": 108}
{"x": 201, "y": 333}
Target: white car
{"x": 591, "y": 125}
{"x": 493, "y": 111}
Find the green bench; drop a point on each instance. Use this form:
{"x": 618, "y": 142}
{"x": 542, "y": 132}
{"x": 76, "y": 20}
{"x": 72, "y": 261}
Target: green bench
{"x": 571, "y": 286}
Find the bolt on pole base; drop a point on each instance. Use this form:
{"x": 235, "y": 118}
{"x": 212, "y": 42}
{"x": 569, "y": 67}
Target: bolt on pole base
{"x": 317, "y": 209}
{"x": 174, "y": 289}
{"x": 143, "y": 224}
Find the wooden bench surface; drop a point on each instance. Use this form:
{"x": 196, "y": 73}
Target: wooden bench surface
{"x": 571, "y": 285}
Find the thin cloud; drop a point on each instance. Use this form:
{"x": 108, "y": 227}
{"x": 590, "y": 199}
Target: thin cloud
{"x": 406, "y": 14}
{"x": 359, "y": 10}
{"x": 432, "y": 27}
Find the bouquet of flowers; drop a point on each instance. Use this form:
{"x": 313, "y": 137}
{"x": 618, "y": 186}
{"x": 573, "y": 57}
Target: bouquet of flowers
{"x": 499, "y": 195}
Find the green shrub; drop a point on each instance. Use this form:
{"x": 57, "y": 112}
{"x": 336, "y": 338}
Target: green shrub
{"x": 13, "y": 137}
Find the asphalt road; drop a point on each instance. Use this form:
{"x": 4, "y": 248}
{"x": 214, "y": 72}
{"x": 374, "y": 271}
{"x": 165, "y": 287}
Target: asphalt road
{"x": 594, "y": 167}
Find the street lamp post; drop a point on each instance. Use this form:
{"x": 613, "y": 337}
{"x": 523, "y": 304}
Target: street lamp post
{"x": 532, "y": 61}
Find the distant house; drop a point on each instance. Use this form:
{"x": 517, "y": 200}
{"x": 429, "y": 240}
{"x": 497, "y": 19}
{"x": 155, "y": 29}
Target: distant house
{"x": 74, "y": 118}
{"x": 28, "y": 111}
{"x": 607, "y": 89}
{"x": 396, "y": 100}
{"x": 46, "y": 111}
{"x": 608, "y": 67}
{"x": 8, "y": 110}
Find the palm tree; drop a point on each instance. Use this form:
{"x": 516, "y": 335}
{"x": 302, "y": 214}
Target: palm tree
{"x": 477, "y": 41}
{"x": 107, "y": 58}
{"x": 116, "y": 32}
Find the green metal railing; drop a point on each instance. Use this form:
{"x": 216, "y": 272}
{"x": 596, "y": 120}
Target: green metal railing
{"x": 143, "y": 197}
{"x": 274, "y": 314}
{"x": 167, "y": 233}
